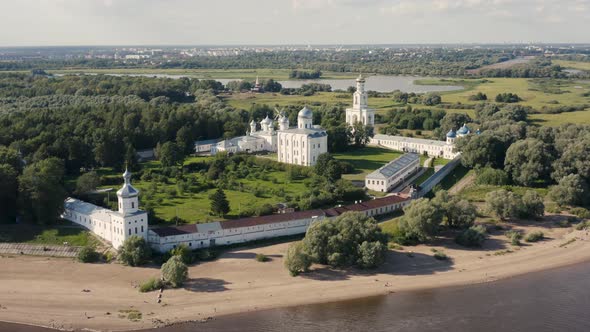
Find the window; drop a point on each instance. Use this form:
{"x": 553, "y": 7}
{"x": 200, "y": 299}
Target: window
{"x": 133, "y": 205}
{"x": 129, "y": 231}
{"x": 142, "y": 229}
{"x": 135, "y": 230}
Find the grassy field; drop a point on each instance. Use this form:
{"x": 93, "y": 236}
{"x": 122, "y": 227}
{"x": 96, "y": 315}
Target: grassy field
{"x": 366, "y": 160}
{"x": 572, "y": 64}
{"x": 562, "y": 118}
{"x": 54, "y": 234}
{"x": 194, "y": 207}
{"x": 251, "y": 74}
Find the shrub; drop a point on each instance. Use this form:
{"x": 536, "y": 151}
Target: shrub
{"x": 474, "y": 236}
{"x": 206, "y": 254}
{"x": 514, "y": 237}
{"x": 566, "y": 223}
{"x": 532, "y": 205}
{"x": 151, "y": 284}
{"x": 582, "y": 225}
{"x": 581, "y": 212}
{"x": 185, "y": 254}
{"x": 174, "y": 271}
{"x": 134, "y": 251}
{"x": 262, "y": 258}
{"x": 88, "y": 255}
{"x": 504, "y": 204}
{"x": 297, "y": 260}
{"x": 441, "y": 256}
{"x": 534, "y": 236}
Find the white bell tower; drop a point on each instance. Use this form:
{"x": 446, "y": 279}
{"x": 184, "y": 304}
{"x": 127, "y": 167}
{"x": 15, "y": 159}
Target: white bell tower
{"x": 360, "y": 112}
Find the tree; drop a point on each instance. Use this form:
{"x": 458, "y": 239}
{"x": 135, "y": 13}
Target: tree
{"x": 175, "y": 271}
{"x": 532, "y": 205}
{"x": 88, "y": 255}
{"x": 571, "y": 190}
{"x": 41, "y": 190}
{"x": 420, "y": 221}
{"x": 134, "y": 251}
{"x": 11, "y": 157}
{"x": 87, "y": 182}
{"x": 504, "y": 204}
{"x": 183, "y": 251}
{"x": 528, "y": 161}
{"x": 341, "y": 242}
{"x": 483, "y": 150}
{"x": 507, "y": 98}
{"x": 360, "y": 134}
{"x": 170, "y": 154}
{"x": 478, "y": 96}
{"x": 297, "y": 260}
{"x": 219, "y": 203}
{"x": 8, "y": 192}
{"x": 431, "y": 99}
{"x": 474, "y": 236}
{"x": 491, "y": 176}
{"x": 575, "y": 159}
{"x": 458, "y": 212}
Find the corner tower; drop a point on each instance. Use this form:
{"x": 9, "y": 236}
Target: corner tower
{"x": 128, "y": 196}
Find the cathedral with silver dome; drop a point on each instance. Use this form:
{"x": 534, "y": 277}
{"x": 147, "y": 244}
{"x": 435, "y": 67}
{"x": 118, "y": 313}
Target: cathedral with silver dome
{"x": 300, "y": 145}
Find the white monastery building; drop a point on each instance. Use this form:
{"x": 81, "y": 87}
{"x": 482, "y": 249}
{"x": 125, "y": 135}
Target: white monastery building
{"x": 254, "y": 141}
{"x": 360, "y": 112}
{"x": 393, "y": 173}
{"x": 112, "y": 226}
{"x": 432, "y": 148}
{"x": 243, "y": 230}
{"x": 301, "y": 145}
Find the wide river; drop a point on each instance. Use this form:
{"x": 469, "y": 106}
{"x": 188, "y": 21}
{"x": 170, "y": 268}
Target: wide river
{"x": 379, "y": 83}
{"x": 554, "y": 300}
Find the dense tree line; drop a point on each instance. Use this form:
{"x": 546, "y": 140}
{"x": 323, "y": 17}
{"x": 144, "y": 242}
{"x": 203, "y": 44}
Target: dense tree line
{"x": 411, "y": 118}
{"x": 431, "y": 61}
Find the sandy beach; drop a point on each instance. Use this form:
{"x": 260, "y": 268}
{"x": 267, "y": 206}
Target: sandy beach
{"x": 61, "y": 293}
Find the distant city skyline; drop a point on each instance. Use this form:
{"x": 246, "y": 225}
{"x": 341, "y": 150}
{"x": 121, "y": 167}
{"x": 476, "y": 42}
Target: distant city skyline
{"x": 291, "y": 22}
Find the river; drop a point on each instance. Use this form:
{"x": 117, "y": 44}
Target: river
{"x": 554, "y": 300}
{"x": 379, "y": 83}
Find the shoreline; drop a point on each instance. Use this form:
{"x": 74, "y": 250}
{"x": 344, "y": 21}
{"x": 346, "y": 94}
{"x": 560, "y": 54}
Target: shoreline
{"x": 236, "y": 283}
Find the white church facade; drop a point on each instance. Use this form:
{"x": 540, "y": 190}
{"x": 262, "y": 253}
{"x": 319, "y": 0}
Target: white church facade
{"x": 112, "y": 226}
{"x": 360, "y": 111}
{"x": 305, "y": 143}
{"x": 255, "y": 140}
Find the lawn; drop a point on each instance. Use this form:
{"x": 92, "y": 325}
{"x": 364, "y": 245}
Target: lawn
{"x": 366, "y": 160}
{"x": 53, "y": 234}
{"x": 193, "y": 206}
{"x": 572, "y": 64}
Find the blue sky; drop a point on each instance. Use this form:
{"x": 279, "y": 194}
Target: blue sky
{"x": 124, "y": 22}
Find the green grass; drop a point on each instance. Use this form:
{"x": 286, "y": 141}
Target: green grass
{"x": 366, "y": 160}
{"x": 572, "y": 64}
{"x": 49, "y": 235}
{"x": 428, "y": 173}
{"x": 554, "y": 120}
{"x": 390, "y": 227}
{"x": 455, "y": 176}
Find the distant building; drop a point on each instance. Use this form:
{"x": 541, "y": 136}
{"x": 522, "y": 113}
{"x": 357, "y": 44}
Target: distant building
{"x": 360, "y": 111}
{"x": 257, "y": 86}
{"x": 205, "y": 146}
{"x": 301, "y": 145}
{"x": 393, "y": 173}
{"x": 112, "y": 226}
{"x": 145, "y": 155}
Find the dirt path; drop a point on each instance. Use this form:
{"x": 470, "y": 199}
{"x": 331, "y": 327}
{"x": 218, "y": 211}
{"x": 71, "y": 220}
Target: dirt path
{"x": 462, "y": 184}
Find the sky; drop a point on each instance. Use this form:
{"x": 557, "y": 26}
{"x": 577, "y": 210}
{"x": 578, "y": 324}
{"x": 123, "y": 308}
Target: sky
{"x": 265, "y": 22}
